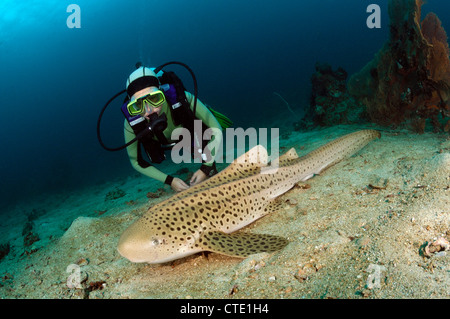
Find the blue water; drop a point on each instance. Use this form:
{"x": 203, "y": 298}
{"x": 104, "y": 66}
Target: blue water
{"x": 55, "y": 80}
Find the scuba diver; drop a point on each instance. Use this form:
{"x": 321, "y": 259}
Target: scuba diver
{"x": 156, "y": 104}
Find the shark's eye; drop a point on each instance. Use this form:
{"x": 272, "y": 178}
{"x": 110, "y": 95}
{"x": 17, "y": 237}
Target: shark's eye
{"x": 155, "y": 242}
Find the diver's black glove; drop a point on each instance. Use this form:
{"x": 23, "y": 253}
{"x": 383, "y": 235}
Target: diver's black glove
{"x": 209, "y": 170}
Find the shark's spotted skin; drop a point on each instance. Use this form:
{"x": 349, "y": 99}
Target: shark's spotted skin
{"x": 203, "y": 217}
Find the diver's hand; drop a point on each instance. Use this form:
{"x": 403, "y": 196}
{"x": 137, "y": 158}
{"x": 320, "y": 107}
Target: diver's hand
{"x": 178, "y": 185}
{"x": 198, "y": 177}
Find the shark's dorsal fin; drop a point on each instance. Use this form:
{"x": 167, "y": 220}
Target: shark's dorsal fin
{"x": 288, "y": 157}
{"x": 247, "y": 164}
{"x": 240, "y": 244}
{"x": 255, "y": 156}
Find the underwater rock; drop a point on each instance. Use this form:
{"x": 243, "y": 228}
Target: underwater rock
{"x": 408, "y": 81}
{"x": 115, "y": 194}
{"x": 27, "y": 228}
{"x": 79, "y": 226}
{"x": 160, "y": 192}
{"x": 35, "y": 214}
{"x": 29, "y": 237}
{"x": 441, "y": 244}
{"x": 82, "y": 261}
{"x": 330, "y": 102}
{"x": 4, "y": 250}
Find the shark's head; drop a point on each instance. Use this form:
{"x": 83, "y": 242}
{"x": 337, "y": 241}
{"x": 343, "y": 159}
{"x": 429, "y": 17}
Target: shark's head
{"x": 152, "y": 243}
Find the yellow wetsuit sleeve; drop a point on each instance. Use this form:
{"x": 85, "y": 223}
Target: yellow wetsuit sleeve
{"x": 132, "y": 150}
{"x": 204, "y": 114}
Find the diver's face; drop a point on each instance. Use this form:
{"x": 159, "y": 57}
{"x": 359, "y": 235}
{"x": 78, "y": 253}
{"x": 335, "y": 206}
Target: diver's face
{"x": 149, "y": 110}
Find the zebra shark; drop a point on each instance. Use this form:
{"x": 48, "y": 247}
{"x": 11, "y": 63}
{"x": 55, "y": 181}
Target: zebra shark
{"x": 205, "y": 217}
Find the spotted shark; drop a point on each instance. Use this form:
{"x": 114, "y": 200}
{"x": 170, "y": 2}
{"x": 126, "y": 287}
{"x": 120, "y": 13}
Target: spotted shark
{"x": 206, "y": 216}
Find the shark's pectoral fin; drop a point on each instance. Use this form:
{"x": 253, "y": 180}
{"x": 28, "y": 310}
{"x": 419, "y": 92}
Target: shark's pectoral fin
{"x": 240, "y": 244}
{"x": 273, "y": 206}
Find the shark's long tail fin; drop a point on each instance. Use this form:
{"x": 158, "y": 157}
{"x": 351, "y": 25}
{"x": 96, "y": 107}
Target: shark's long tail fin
{"x": 338, "y": 149}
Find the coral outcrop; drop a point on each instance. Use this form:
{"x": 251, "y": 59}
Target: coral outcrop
{"x": 330, "y": 101}
{"x": 4, "y": 250}
{"x": 408, "y": 81}
{"x": 29, "y": 236}
{"x": 28, "y": 232}
{"x": 114, "y": 194}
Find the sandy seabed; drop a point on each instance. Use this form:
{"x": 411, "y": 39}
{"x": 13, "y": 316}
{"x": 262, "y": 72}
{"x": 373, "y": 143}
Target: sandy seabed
{"x": 355, "y": 231}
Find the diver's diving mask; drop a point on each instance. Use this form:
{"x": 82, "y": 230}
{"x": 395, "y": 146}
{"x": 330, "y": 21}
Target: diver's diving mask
{"x": 151, "y": 101}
